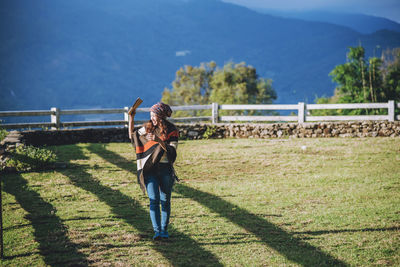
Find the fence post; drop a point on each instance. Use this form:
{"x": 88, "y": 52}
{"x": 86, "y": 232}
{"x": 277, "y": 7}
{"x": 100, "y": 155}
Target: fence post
{"x": 126, "y": 116}
{"x": 391, "y": 110}
{"x": 55, "y": 118}
{"x": 301, "y": 112}
{"x": 214, "y": 112}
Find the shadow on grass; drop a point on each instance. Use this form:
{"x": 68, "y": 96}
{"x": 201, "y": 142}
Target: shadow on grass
{"x": 186, "y": 252}
{"x": 286, "y": 244}
{"x": 49, "y": 230}
{"x": 324, "y": 232}
{"x": 82, "y": 218}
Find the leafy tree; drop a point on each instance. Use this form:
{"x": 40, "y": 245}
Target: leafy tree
{"x": 391, "y": 74}
{"x": 233, "y": 84}
{"x": 238, "y": 83}
{"x": 351, "y": 77}
{"x": 376, "y": 90}
{"x": 361, "y": 81}
{"x": 191, "y": 87}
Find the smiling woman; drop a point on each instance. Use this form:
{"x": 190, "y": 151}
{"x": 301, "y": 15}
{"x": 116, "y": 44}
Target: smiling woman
{"x": 156, "y": 143}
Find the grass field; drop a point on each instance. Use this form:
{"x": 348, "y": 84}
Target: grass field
{"x": 292, "y": 202}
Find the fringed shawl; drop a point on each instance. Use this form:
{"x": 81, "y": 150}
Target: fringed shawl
{"x": 149, "y": 153}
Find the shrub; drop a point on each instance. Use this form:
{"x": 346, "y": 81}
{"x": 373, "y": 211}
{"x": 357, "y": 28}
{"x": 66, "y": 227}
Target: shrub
{"x": 210, "y": 132}
{"x": 3, "y": 133}
{"x": 26, "y": 158}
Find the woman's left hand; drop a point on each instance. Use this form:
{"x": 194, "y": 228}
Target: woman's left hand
{"x": 152, "y": 137}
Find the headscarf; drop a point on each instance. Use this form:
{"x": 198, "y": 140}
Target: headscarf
{"x": 161, "y": 110}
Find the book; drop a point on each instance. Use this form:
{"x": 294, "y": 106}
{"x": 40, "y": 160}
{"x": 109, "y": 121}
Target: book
{"x": 135, "y": 106}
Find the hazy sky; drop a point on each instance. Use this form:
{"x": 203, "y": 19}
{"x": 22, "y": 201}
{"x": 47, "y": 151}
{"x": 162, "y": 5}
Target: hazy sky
{"x": 382, "y": 8}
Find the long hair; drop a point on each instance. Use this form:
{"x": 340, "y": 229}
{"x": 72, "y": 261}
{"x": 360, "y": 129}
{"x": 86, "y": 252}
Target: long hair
{"x": 162, "y": 125}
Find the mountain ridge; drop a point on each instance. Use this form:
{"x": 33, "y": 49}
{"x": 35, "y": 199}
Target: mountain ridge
{"x": 359, "y": 22}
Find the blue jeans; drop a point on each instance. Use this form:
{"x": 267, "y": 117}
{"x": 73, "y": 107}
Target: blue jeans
{"x": 159, "y": 184}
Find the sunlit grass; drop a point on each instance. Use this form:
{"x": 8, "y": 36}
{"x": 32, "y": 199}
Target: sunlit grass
{"x": 239, "y": 202}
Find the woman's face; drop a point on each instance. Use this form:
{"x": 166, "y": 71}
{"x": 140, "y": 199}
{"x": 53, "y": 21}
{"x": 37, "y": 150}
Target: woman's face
{"x": 154, "y": 118}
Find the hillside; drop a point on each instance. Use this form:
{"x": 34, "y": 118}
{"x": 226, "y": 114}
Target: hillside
{"x": 365, "y": 24}
{"x": 73, "y": 54}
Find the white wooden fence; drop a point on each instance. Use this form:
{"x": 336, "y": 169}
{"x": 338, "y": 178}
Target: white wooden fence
{"x": 301, "y": 117}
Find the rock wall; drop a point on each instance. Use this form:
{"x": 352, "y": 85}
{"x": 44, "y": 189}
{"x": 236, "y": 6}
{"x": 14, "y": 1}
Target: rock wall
{"x": 74, "y": 136}
{"x": 311, "y": 130}
{"x": 200, "y": 131}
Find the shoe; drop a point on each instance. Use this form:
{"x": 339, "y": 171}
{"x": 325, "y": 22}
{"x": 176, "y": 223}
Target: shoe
{"x": 164, "y": 234}
{"x": 157, "y": 236}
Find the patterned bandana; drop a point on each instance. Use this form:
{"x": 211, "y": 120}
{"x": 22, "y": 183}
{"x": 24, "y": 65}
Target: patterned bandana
{"x": 161, "y": 110}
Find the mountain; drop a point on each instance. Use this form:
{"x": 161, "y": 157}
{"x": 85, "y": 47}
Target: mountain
{"x": 366, "y": 24}
{"x": 86, "y": 54}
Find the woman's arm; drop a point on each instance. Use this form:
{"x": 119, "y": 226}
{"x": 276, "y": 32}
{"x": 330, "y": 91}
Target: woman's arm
{"x": 131, "y": 116}
{"x": 131, "y": 125}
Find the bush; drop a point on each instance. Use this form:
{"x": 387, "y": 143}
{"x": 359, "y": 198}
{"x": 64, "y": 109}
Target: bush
{"x": 3, "y": 134}
{"x": 26, "y": 158}
{"x": 210, "y": 132}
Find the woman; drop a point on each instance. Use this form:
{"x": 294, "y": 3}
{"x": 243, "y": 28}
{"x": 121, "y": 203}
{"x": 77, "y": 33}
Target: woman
{"x": 156, "y": 143}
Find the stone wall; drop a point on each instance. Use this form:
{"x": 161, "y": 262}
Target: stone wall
{"x": 305, "y": 130}
{"x": 199, "y": 131}
{"x": 311, "y": 130}
{"x": 73, "y": 136}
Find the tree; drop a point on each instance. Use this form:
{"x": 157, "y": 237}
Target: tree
{"x": 375, "y": 80}
{"x": 361, "y": 81}
{"x": 233, "y": 84}
{"x": 351, "y": 77}
{"x": 191, "y": 87}
{"x": 391, "y": 74}
{"x": 238, "y": 83}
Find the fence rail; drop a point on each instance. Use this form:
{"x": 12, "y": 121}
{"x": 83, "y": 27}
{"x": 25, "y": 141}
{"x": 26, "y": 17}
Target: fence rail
{"x": 301, "y": 117}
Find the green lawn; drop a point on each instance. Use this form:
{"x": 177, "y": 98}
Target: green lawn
{"x": 240, "y": 202}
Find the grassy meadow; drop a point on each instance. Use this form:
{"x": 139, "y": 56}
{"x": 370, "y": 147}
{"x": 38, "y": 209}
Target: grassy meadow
{"x": 240, "y": 202}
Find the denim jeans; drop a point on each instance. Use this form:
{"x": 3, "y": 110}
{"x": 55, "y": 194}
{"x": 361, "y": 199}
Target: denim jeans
{"x": 159, "y": 184}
